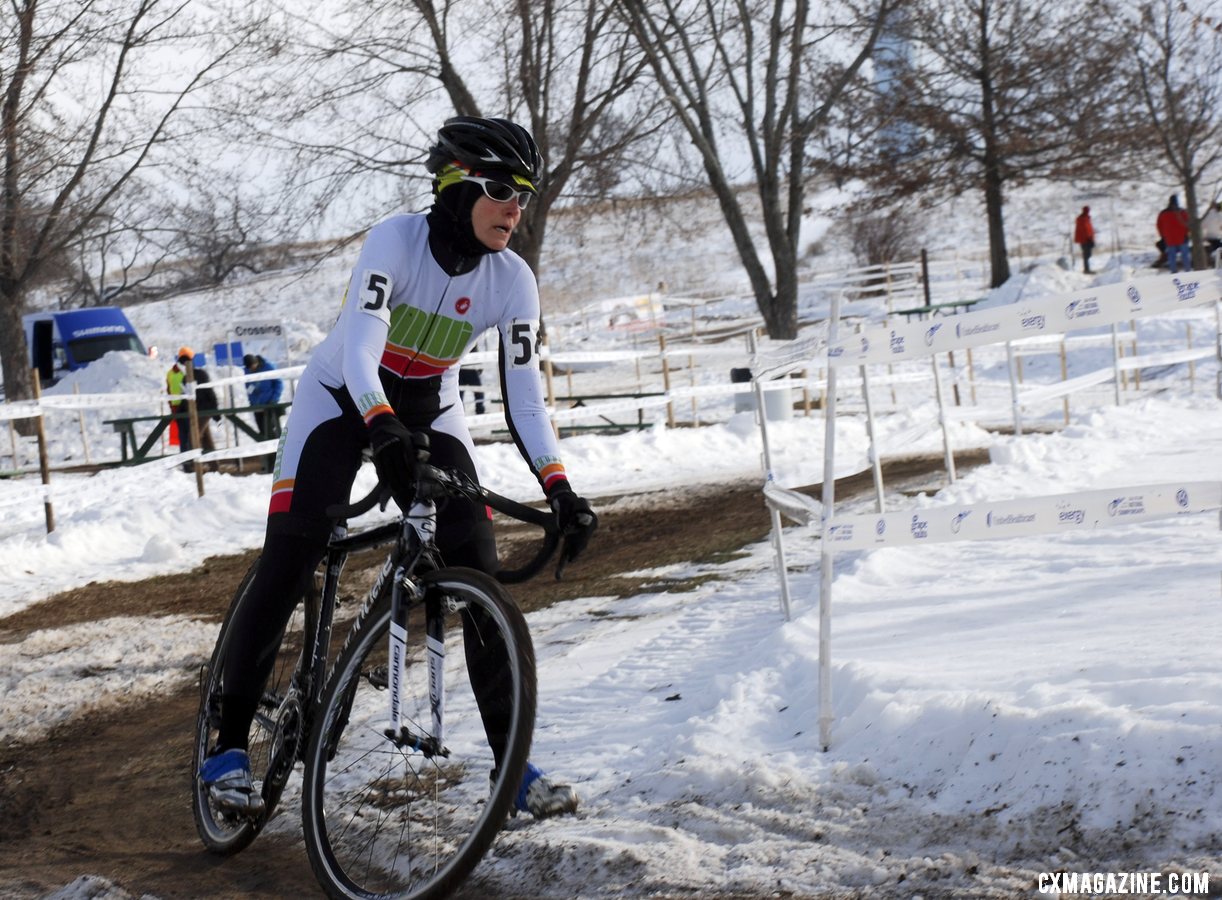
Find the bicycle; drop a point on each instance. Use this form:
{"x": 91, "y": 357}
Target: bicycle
{"x": 403, "y": 791}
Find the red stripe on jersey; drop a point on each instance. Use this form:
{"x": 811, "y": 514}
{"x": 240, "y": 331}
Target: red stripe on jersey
{"x": 282, "y": 497}
{"x": 407, "y": 364}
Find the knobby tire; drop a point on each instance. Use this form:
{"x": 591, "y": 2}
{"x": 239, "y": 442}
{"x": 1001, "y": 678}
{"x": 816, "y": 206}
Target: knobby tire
{"x": 382, "y": 820}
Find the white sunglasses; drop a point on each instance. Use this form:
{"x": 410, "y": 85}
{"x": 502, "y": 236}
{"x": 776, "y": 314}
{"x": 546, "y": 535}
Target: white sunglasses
{"x": 499, "y": 191}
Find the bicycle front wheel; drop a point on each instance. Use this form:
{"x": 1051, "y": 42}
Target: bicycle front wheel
{"x": 383, "y": 819}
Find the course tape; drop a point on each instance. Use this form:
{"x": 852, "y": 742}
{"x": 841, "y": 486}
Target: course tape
{"x": 1053, "y": 514}
{"x": 1090, "y": 308}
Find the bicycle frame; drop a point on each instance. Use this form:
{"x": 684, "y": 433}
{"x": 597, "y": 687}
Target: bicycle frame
{"x": 289, "y": 711}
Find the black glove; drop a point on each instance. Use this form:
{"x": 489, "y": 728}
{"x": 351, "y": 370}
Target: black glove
{"x": 396, "y": 451}
{"x": 576, "y": 520}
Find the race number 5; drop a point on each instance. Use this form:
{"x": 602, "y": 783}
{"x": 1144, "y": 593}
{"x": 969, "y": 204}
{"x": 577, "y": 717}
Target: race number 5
{"x": 524, "y": 343}
{"x": 375, "y": 293}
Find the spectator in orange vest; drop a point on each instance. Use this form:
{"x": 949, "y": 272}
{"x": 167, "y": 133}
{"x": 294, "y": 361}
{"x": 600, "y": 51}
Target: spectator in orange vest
{"x": 1084, "y": 237}
{"x": 1172, "y": 227}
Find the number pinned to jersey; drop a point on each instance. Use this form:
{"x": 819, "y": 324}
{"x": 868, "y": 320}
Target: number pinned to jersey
{"x": 522, "y": 345}
{"x": 375, "y": 294}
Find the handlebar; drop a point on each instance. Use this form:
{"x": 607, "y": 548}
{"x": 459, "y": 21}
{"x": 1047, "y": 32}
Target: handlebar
{"x": 435, "y": 483}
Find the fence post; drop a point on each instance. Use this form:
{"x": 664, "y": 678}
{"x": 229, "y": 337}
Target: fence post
{"x": 12, "y": 436}
{"x": 1136, "y": 372}
{"x": 971, "y": 375}
{"x": 1014, "y": 404}
{"x": 80, "y": 416}
{"x": 1192, "y": 364}
{"x": 44, "y": 461}
{"x": 670, "y": 404}
{"x": 826, "y": 553}
{"x": 1065, "y": 377}
{"x": 549, "y": 376}
{"x": 942, "y": 420}
{"x": 876, "y": 463}
{"x": 778, "y": 526}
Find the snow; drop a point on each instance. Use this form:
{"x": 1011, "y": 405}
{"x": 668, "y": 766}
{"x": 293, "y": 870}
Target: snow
{"x": 1003, "y": 708}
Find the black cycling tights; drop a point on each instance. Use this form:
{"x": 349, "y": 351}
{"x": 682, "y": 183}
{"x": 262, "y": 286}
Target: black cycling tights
{"x": 288, "y": 562}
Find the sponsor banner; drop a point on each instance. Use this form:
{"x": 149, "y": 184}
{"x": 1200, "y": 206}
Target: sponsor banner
{"x": 1058, "y": 513}
{"x": 1102, "y": 305}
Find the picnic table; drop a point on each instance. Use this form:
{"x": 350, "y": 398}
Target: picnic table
{"x": 135, "y": 450}
{"x": 576, "y": 400}
{"x": 952, "y": 307}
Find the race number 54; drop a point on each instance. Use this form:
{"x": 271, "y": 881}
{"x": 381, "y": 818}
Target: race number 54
{"x": 524, "y": 343}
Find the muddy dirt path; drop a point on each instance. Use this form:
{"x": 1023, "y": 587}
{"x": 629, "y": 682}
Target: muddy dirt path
{"x": 109, "y": 796}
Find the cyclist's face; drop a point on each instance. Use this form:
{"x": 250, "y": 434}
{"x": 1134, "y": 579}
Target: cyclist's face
{"x": 493, "y": 222}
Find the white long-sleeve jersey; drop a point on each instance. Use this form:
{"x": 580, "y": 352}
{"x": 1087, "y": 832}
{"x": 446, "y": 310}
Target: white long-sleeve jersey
{"x": 406, "y": 323}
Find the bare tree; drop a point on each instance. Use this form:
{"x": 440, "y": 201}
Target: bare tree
{"x": 757, "y": 82}
{"x": 93, "y": 99}
{"x": 566, "y": 69}
{"x": 994, "y": 93}
{"x": 1178, "y": 57}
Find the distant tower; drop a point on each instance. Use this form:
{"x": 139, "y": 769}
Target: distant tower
{"x": 892, "y": 62}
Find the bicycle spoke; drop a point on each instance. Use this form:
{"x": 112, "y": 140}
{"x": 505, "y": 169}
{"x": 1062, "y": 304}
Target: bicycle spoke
{"x": 384, "y": 819}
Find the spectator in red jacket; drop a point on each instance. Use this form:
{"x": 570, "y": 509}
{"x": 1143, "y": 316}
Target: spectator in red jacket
{"x": 1084, "y": 237}
{"x": 1173, "y": 229}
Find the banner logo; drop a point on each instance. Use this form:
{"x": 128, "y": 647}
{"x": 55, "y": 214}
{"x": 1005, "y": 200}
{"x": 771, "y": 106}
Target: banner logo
{"x": 1033, "y": 323}
{"x": 1127, "y": 506}
{"x": 1082, "y": 308}
{"x": 1185, "y": 290}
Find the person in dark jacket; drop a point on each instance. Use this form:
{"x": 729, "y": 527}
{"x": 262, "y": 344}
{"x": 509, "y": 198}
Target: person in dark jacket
{"x": 264, "y": 393}
{"x": 205, "y": 401}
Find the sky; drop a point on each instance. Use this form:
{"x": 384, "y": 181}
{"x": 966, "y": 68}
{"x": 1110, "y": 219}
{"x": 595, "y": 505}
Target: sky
{"x": 1002, "y": 708}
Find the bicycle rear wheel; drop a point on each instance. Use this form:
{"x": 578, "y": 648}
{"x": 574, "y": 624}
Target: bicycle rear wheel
{"x": 384, "y": 820}
{"x": 273, "y": 733}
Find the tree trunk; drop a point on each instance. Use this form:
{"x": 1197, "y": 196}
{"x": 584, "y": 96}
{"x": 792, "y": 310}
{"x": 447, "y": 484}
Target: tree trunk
{"x": 1199, "y": 260}
{"x": 17, "y": 382}
{"x": 527, "y": 239}
{"x": 999, "y": 257}
{"x": 780, "y": 311}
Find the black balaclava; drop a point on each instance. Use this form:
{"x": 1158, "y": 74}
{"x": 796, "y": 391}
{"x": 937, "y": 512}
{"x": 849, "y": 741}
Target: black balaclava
{"x": 452, "y": 238}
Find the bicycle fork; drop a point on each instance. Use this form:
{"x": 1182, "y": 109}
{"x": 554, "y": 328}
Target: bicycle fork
{"x": 405, "y": 592}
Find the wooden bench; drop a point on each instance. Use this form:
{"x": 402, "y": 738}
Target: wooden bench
{"x": 139, "y": 450}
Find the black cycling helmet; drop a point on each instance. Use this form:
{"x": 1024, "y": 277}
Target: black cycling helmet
{"x": 482, "y": 145}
